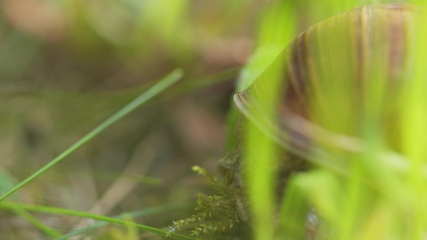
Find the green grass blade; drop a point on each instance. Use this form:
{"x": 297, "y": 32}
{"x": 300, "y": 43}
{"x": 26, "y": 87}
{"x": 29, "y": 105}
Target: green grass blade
{"x": 260, "y": 154}
{"x": 143, "y": 212}
{"x": 53, "y": 210}
{"x": 35, "y": 222}
{"x": 143, "y": 98}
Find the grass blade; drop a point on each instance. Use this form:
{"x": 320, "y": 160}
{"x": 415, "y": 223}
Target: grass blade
{"x": 143, "y": 212}
{"x": 53, "y": 210}
{"x": 143, "y": 98}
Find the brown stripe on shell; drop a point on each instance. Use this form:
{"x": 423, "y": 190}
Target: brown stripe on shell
{"x": 396, "y": 39}
{"x": 361, "y": 43}
{"x": 295, "y": 94}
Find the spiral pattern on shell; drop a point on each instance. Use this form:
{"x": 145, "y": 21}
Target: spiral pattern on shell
{"x": 331, "y": 61}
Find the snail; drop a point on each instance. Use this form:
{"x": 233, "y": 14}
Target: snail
{"x": 340, "y": 53}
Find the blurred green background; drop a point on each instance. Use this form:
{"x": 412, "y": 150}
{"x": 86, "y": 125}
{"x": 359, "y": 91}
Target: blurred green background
{"x": 66, "y": 65}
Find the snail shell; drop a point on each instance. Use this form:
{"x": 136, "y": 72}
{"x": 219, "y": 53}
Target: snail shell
{"x": 342, "y": 53}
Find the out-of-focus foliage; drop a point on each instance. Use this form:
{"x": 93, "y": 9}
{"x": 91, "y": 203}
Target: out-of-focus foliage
{"x": 66, "y": 65}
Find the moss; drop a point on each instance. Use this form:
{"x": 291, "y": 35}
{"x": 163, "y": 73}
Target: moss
{"x": 214, "y": 215}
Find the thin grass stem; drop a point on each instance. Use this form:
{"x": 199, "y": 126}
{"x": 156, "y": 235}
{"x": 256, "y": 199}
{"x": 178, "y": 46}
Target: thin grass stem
{"x": 141, "y": 99}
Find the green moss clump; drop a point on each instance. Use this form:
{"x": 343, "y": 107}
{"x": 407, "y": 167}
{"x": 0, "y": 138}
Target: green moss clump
{"x": 215, "y": 214}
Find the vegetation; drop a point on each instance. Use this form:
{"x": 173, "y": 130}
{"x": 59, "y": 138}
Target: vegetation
{"x": 71, "y": 69}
